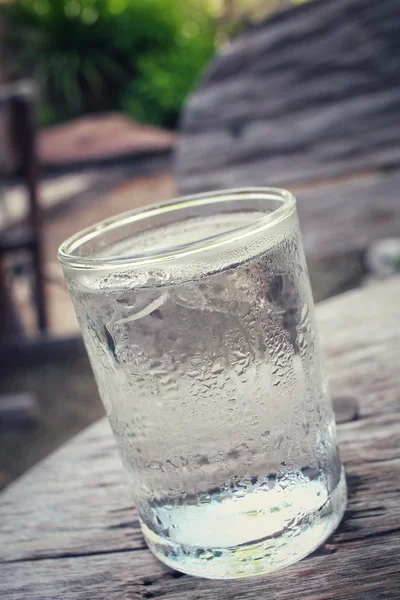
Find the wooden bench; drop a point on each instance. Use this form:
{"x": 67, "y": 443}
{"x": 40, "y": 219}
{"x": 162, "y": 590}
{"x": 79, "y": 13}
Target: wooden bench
{"x": 68, "y": 528}
{"x": 307, "y": 100}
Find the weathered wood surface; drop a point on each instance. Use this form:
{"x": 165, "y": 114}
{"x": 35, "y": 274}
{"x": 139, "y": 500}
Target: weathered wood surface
{"x": 68, "y": 528}
{"x": 340, "y": 218}
{"x": 307, "y": 96}
{"x": 310, "y": 94}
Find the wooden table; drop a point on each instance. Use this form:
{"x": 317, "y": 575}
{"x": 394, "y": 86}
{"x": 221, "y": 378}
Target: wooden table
{"x": 68, "y": 528}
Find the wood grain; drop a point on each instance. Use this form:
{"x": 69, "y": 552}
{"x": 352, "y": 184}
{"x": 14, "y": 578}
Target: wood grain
{"x": 337, "y": 219}
{"x": 309, "y": 94}
{"x": 68, "y": 528}
{"x": 307, "y": 97}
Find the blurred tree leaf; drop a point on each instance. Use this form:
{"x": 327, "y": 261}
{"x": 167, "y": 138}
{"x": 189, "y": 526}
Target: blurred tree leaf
{"x": 96, "y": 55}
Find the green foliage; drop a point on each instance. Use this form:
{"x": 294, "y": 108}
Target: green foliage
{"x": 95, "y": 55}
{"x": 165, "y": 75}
{"x": 164, "y": 79}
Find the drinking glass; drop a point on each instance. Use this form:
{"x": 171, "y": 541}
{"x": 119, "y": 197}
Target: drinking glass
{"x": 199, "y": 323}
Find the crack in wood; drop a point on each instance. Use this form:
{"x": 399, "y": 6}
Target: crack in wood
{"x": 65, "y": 555}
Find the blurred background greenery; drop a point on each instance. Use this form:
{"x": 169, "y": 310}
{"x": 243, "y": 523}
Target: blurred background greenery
{"x": 139, "y": 56}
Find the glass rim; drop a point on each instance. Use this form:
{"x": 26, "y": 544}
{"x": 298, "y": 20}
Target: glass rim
{"x": 67, "y": 251}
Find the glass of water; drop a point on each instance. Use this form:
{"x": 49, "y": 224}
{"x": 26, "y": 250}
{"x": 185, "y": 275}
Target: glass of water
{"x": 199, "y": 323}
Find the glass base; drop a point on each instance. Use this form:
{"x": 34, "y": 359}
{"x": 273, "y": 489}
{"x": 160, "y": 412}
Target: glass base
{"x": 288, "y": 545}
